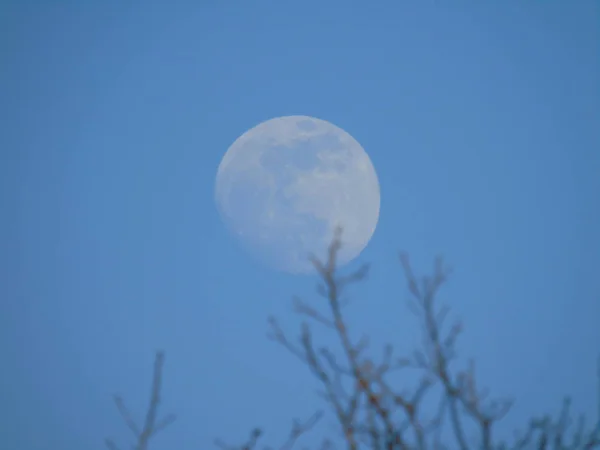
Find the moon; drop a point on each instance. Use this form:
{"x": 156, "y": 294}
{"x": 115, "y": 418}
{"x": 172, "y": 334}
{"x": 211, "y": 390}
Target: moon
{"x": 284, "y": 186}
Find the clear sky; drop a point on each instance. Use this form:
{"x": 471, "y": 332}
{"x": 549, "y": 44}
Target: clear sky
{"x": 481, "y": 119}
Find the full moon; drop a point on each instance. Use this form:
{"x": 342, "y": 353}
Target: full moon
{"x": 284, "y": 186}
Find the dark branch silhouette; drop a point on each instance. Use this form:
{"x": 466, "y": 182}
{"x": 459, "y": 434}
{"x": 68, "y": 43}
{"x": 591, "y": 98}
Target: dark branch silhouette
{"x": 151, "y": 425}
{"x": 372, "y": 413}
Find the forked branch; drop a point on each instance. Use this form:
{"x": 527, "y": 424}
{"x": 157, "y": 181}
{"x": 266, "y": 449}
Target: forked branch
{"x": 372, "y": 414}
{"x": 151, "y": 424}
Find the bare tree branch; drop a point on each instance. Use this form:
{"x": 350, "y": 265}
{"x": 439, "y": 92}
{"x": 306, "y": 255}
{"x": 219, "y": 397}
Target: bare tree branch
{"x": 370, "y": 410}
{"x": 368, "y": 415}
{"x": 151, "y": 425}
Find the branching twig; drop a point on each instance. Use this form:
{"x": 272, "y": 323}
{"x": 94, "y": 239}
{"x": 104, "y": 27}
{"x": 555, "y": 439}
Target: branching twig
{"x": 372, "y": 414}
{"x": 151, "y": 425}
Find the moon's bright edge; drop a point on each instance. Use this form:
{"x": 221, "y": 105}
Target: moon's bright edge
{"x": 284, "y": 186}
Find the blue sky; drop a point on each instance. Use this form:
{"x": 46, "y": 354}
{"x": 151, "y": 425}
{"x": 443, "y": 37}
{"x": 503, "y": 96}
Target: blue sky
{"x": 481, "y": 119}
